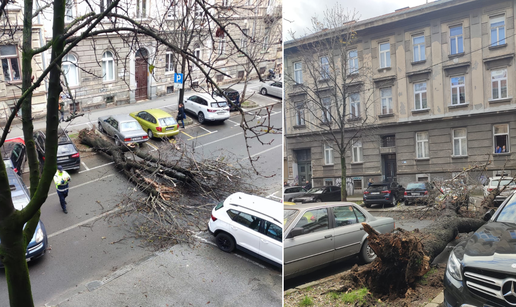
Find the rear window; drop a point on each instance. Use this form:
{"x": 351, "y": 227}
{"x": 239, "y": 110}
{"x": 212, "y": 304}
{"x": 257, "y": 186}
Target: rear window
{"x": 167, "y": 121}
{"x": 504, "y": 182}
{"x": 219, "y": 104}
{"x": 232, "y": 95}
{"x": 129, "y": 126}
{"x": 378, "y": 188}
{"x": 66, "y": 149}
{"x": 412, "y": 186}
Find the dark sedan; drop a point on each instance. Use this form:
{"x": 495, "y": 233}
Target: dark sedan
{"x": 14, "y": 154}
{"x": 383, "y": 193}
{"x": 233, "y": 95}
{"x": 68, "y": 155}
{"x": 319, "y": 194}
{"x": 417, "y": 193}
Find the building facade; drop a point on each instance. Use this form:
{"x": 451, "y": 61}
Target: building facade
{"x": 441, "y": 84}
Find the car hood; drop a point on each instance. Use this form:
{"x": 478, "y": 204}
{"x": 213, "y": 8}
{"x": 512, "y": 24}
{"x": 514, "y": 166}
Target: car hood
{"x": 33, "y": 239}
{"x": 490, "y": 247}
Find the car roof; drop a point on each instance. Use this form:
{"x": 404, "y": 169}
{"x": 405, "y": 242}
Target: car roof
{"x": 209, "y": 97}
{"x": 8, "y": 146}
{"x": 19, "y": 194}
{"x": 294, "y": 186}
{"x": 256, "y": 204}
{"x": 122, "y": 118}
{"x": 62, "y": 136}
{"x": 158, "y": 113}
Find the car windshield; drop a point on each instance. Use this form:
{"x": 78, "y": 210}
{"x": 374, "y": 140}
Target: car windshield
{"x": 65, "y": 149}
{"x": 129, "y": 126}
{"x": 508, "y": 214}
{"x": 503, "y": 182}
{"x": 167, "y": 121}
{"x": 416, "y": 185}
{"x": 316, "y": 191}
{"x": 289, "y": 215}
{"x": 219, "y": 104}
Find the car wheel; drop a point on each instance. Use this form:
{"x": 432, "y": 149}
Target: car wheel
{"x": 200, "y": 118}
{"x": 117, "y": 141}
{"x": 225, "y": 242}
{"x": 263, "y": 91}
{"x": 394, "y": 201}
{"x": 406, "y": 203}
{"x": 367, "y": 254}
{"x": 318, "y": 200}
{"x": 100, "y": 128}
{"x": 150, "y": 134}
{"x": 368, "y": 205}
{"x": 290, "y": 200}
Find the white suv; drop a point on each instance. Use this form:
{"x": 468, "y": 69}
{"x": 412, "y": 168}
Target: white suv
{"x": 207, "y": 108}
{"x": 249, "y": 223}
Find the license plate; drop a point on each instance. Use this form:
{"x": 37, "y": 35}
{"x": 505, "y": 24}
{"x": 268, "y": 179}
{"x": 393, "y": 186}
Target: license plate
{"x": 170, "y": 128}
{"x": 63, "y": 158}
{"x": 375, "y": 193}
{"x": 221, "y": 112}
{"x": 137, "y": 139}
{"x": 416, "y": 194}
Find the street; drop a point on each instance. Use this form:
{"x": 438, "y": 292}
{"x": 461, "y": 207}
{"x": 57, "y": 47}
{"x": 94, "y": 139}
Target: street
{"x": 92, "y": 241}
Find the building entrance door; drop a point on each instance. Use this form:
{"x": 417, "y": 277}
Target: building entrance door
{"x": 141, "y": 75}
{"x": 304, "y": 166}
{"x": 389, "y": 167}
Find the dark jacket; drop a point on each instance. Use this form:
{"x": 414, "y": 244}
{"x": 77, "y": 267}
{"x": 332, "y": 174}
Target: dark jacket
{"x": 181, "y": 111}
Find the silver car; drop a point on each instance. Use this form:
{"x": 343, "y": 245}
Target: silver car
{"x": 289, "y": 193}
{"x": 319, "y": 233}
{"x": 508, "y": 184}
{"x": 273, "y": 88}
{"x": 123, "y": 129}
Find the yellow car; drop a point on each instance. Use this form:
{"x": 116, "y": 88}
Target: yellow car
{"x": 157, "y": 123}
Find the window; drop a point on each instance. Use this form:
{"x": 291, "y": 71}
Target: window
{"x": 328, "y": 154}
{"x": 243, "y": 40}
{"x": 325, "y": 68}
{"x": 356, "y": 151}
{"x": 501, "y": 138}
{"x": 245, "y": 219}
{"x": 222, "y": 43}
{"x": 389, "y": 141}
{"x": 197, "y": 51}
{"x": 70, "y": 71}
{"x": 460, "y": 142}
{"x": 108, "y": 66}
{"x": 420, "y": 96}
{"x": 419, "y": 48}
{"x": 353, "y": 62}
{"x": 326, "y": 110}
{"x": 497, "y": 30}
{"x": 298, "y": 72}
{"x": 169, "y": 61}
{"x": 456, "y": 41}
{"x": 300, "y": 113}
{"x": 354, "y": 105}
{"x": 328, "y": 182}
{"x": 314, "y": 221}
{"x": 69, "y": 16}
{"x": 104, "y": 4}
{"x": 141, "y": 8}
{"x": 422, "y": 145}
{"x": 273, "y": 231}
{"x": 458, "y": 92}
{"x": 10, "y": 63}
{"x": 225, "y": 3}
{"x": 347, "y": 215}
{"x": 499, "y": 83}
{"x": 386, "y": 94}
{"x": 265, "y": 43}
{"x": 385, "y": 55}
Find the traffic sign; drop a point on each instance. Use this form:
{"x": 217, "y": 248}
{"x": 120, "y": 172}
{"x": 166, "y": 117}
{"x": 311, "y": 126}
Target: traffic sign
{"x": 178, "y": 80}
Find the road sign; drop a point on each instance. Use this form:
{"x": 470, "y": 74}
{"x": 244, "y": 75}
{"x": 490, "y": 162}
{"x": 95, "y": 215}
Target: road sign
{"x": 178, "y": 80}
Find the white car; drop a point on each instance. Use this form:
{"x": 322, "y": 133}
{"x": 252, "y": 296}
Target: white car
{"x": 500, "y": 183}
{"x": 207, "y": 107}
{"x": 273, "y": 88}
{"x": 249, "y": 223}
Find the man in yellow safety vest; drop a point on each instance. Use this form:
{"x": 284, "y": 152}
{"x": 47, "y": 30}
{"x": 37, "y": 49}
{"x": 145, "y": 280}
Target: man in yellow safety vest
{"x": 61, "y": 179}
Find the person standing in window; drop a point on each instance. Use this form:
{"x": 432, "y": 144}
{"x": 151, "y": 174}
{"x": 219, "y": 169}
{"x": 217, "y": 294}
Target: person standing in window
{"x": 498, "y": 149}
{"x": 503, "y": 148}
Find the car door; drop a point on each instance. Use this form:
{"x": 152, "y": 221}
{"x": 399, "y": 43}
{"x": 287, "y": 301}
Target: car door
{"x": 115, "y": 126}
{"x": 189, "y": 103}
{"x": 314, "y": 247}
{"x": 245, "y": 229}
{"x": 108, "y": 126}
{"x": 271, "y": 245}
{"x": 348, "y": 230}
{"x": 277, "y": 89}
{"x": 18, "y": 157}
{"x": 334, "y": 194}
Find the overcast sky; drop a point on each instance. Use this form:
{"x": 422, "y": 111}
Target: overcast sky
{"x": 297, "y": 13}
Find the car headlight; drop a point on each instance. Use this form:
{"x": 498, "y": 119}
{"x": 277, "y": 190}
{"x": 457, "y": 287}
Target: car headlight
{"x": 454, "y": 267}
{"x": 39, "y": 235}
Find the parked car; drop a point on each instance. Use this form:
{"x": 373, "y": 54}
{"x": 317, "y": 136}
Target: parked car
{"x": 506, "y": 183}
{"x": 384, "y": 193}
{"x": 21, "y": 197}
{"x": 14, "y": 154}
{"x": 290, "y": 193}
{"x": 481, "y": 270}
{"x": 417, "y": 193}
{"x": 249, "y": 223}
{"x": 273, "y": 88}
{"x": 319, "y": 194}
{"x": 68, "y": 155}
{"x": 207, "y": 107}
{"x": 123, "y": 129}
{"x": 233, "y": 95}
{"x": 318, "y": 234}
{"x": 157, "y": 123}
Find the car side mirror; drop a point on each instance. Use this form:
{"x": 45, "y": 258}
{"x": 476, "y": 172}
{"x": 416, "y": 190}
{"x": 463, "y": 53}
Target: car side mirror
{"x": 488, "y": 215}
{"x": 296, "y": 232}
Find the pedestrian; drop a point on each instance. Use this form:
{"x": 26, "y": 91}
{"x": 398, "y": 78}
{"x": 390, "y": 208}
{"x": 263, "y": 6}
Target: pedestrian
{"x": 181, "y": 114}
{"x": 61, "y": 108}
{"x": 61, "y": 179}
{"x": 285, "y": 184}
{"x": 370, "y": 182}
{"x": 308, "y": 186}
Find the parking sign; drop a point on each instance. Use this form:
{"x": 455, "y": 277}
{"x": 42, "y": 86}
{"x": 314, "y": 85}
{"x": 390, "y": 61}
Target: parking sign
{"x": 178, "y": 80}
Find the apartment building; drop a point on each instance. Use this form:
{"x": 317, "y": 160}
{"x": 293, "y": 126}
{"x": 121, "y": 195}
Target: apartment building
{"x": 440, "y": 88}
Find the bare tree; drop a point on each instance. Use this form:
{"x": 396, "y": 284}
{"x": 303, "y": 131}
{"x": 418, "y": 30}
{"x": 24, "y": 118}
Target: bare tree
{"x": 331, "y": 95}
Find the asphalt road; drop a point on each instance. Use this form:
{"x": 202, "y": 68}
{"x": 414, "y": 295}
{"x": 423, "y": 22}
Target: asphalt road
{"x": 91, "y": 241}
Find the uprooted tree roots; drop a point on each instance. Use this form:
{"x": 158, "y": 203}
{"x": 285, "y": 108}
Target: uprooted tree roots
{"x": 180, "y": 187}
